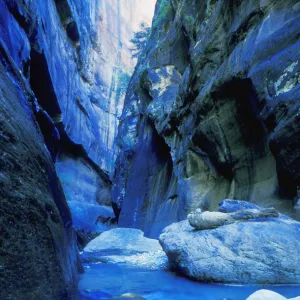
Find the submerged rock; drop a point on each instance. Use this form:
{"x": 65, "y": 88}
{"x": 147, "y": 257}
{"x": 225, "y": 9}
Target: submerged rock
{"x": 129, "y": 296}
{"x": 126, "y": 245}
{"x": 244, "y": 251}
{"x": 268, "y": 295}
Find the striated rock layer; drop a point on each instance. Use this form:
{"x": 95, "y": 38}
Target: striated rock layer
{"x": 212, "y": 112}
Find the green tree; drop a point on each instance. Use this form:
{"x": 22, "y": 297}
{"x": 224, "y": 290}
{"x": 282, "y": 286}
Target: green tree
{"x": 140, "y": 39}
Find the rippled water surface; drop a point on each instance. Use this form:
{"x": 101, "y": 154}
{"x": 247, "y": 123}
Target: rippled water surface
{"x": 103, "y": 281}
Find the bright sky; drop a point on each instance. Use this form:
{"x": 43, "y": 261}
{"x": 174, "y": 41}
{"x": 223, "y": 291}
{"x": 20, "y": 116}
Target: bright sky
{"x": 145, "y": 10}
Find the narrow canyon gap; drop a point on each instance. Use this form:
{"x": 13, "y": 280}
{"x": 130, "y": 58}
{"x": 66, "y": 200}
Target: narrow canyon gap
{"x": 193, "y": 142}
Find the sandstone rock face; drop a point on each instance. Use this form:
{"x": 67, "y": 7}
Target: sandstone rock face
{"x": 64, "y": 66}
{"x": 96, "y": 84}
{"x": 90, "y": 78}
{"x": 76, "y": 55}
{"x": 38, "y": 254}
{"x": 211, "y": 112}
{"x": 126, "y": 245}
{"x": 244, "y": 251}
{"x": 88, "y": 195}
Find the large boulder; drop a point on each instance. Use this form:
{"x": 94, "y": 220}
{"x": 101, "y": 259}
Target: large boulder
{"x": 244, "y": 251}
{"x": 126, "y": 245}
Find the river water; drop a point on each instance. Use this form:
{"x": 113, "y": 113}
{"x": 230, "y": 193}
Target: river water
{"x": 104, "y": 281}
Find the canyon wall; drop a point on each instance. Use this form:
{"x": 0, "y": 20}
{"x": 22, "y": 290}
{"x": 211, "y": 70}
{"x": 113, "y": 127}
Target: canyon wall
{"x": 38, "y": 252}
{"x": 91, "y": 78}
{"x": 211, "y": 112}
{"x": 79, "y": 64}
{"x": 65, "y": 66}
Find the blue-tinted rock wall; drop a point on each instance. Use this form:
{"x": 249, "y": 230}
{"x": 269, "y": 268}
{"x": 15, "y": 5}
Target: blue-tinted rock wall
{"x": 219, "y": 84}
{"x": 39, "y": 257}
{"x": 64, "y": 69}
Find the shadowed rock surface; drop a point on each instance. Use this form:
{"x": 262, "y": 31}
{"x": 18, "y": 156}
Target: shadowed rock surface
{"x": 76, "y": 55}
{"x": 243, "y": 251}
{"x": 38, "y": 255}
{"x": 211, "y": 112}
{"x": 61, "y": 93}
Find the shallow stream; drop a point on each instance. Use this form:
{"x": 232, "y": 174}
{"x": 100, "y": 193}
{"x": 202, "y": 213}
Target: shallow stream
{"x": 104, "y": 281}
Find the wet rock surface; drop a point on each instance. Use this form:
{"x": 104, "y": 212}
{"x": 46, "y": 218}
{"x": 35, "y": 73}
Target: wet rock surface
{"x": 212, "y": 112}
{"x": 241, "y": 251}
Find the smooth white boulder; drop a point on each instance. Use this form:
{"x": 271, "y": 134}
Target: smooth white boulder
{"x": 268, "y": 295}
{"x": 265, "y": 295}
{"x": 126, "y": 245}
